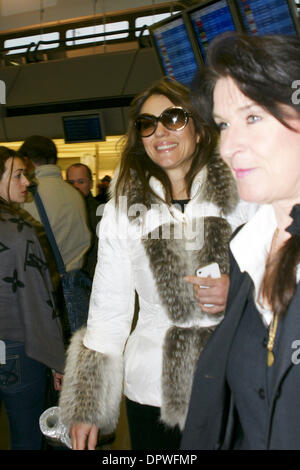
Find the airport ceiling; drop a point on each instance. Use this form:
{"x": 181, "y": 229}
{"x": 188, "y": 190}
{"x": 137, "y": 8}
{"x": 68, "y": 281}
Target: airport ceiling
{"x": 16, "y": 15}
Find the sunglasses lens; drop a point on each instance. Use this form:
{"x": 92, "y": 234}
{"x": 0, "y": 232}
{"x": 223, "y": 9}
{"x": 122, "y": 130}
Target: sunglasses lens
{"x": 174, "y": 119}
{"x": 146, "y": 125}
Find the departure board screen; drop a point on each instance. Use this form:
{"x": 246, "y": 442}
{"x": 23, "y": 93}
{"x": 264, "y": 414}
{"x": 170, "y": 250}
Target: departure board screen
{"x": 79, "y": 128}
{"x": 175, "y": 50}
{"x": 262, "y": 17}
{"x": 209, "y": 21}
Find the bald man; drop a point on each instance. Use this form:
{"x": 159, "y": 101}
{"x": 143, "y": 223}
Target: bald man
{"x": 80, "y": 176}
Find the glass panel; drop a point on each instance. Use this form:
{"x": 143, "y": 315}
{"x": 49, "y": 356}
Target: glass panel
{"x": 74, "y": 34}
{"x": 149, "y": 20}
{"x": 29, "y": 39}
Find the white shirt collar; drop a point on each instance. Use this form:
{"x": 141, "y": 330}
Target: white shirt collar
{"x": 251, "y": 246}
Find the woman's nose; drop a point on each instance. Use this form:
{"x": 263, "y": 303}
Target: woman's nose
{"x": 160, "y": 129}
{"x": 231, "y": 142}
{"x": 26, "y": 181}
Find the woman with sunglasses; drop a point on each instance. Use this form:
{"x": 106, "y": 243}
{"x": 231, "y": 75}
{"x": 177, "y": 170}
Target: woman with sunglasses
{"x": 30, "y": 334}
{"x": 173, "y": 208}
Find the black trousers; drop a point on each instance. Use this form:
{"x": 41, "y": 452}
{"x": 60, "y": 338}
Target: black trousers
{"x": 146, "y": 430}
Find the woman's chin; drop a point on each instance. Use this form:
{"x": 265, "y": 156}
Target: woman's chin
{"x": 20, "y": 200}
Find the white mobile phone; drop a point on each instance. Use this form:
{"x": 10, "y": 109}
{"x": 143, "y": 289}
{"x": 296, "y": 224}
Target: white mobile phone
{"x": 212, "y": 270}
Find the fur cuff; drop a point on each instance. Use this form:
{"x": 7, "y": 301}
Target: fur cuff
{"x": 92, "y": 386}
{"x": 182, "y": 348}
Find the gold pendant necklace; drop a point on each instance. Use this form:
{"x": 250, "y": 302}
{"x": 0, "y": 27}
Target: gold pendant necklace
{"x": 274, "y": 324}
{"x": 272, "y": 335}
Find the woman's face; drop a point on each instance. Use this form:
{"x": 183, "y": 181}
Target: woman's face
{"x": 13, "y": 184}
{"x": 169, "y": 149}
{"x": 262, "y": 153}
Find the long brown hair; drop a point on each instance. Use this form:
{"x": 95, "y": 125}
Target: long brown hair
{"x": 5, "y": 154}
{"x": 279, "y": 282}
{"x": 134, "y": 159}
{"x": 264, "y": 69}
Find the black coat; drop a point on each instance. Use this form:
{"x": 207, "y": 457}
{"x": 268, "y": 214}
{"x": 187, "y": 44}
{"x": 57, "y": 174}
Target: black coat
{"x": 211, "y": 420}
{"x": 91, "y": 255}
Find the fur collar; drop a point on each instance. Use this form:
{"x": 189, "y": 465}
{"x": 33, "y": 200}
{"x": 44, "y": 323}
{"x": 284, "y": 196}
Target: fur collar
{"x": 219, "y": 187}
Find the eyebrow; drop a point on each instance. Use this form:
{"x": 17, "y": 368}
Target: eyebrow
{"x": 240, "y": 109}
{"x": 19, "y": 169}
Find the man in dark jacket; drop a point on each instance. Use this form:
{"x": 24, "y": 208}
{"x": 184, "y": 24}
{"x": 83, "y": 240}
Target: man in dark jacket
{"x": 80, "y": 176}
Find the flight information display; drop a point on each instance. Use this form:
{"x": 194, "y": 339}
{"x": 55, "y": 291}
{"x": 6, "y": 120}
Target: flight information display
{"x": 262, "y": 17}
{"x": 79, "y": 128}
{"x": 175, "y": 50}
{"x": 211, "y": 20}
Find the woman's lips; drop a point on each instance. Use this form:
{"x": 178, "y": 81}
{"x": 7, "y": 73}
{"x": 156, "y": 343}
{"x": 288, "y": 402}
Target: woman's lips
{"x": 165, "y": 147}
{"x": 243, "y": 172}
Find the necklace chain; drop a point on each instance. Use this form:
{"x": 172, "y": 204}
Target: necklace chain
{"x": 274, "y": 323}
{"x": 272, "y": 336}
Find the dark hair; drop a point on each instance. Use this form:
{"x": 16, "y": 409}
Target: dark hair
{"x": 106, "y": 178}
{"x": 264, "y": 69}
{"x": 134, "y": 156}
{"x": 5, "y": 154}
{"x": 78, "y": 165}
{"x": 40, "y": 149}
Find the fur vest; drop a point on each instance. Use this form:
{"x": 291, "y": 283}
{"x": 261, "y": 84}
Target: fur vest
{"x": 171, "y": 258}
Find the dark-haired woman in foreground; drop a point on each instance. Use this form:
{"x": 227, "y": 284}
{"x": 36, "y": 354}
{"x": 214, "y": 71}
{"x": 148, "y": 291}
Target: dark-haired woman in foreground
{"x": 30, "y": 332}
{"x": 246, "y": 388}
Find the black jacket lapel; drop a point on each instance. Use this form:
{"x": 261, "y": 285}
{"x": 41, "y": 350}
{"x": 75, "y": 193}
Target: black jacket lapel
{"x": 209, "y": 384}
{"x": 290, "y": 332}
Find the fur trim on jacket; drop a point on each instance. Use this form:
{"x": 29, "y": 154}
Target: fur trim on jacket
{"x": 220, "y": 188}
{"x": 170, "y": 261}
{"x": 93, "y": 382}
{"x": 92, "y": 386}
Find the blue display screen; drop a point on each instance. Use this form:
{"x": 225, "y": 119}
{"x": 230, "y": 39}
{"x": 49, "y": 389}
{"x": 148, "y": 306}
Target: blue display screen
{"x": 175, "y": 51}
{"x": 266, "y": 17}
{"x": 81, "y": 128}
{"x": 210, "y": 21}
